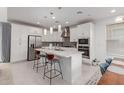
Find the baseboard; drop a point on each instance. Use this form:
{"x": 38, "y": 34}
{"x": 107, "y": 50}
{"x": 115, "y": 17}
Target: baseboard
{"x": 18, "y": 61}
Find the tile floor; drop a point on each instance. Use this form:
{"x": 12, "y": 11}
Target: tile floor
{"x": 23, "y": 74}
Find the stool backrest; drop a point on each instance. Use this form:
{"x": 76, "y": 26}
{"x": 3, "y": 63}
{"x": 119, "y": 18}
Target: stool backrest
{"x": 37, "y": 54}
{"x": 50, "y": 56}
{"x": 108, "y": 60}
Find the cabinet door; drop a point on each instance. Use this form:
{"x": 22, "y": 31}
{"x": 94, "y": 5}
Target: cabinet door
{"x": 54, "y": 37}
{"x": 73, "y": 34}
{"x": 84, "y": 30}
{"x": 80, "y": 31}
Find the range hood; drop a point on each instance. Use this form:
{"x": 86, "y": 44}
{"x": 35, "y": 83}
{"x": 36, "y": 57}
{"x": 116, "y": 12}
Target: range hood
{"x": 66, "y": 32}
{"x": 66, "y": 37}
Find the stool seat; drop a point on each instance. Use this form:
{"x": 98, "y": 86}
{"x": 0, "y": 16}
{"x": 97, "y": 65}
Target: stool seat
{"x": 42, "y": 55}
{"x": 37, "y": 58}
{"x": 52, "y": 60}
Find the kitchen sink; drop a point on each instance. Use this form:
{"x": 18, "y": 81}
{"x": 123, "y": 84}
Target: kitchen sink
{"x": 59, "y": 49}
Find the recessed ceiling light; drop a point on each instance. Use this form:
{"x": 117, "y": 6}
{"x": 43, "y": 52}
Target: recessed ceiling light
{"x": 89, "y": 15}
{"x": 59, "y": 8}
{"x": 66, "y": 22}
{"x": 57, "y": 22}
{"x": 51, "y": 13}
{"x": 45, "y": 16}
{"x": 38, "y": 22}
{"x": 119, "y": 19}
{"x": 113, "y": 11}
{"x": 79, "y": 12}
{"x": 53, "y": 17}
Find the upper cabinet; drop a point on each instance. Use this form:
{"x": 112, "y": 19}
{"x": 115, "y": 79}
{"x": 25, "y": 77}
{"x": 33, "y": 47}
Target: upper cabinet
{"x": 84, "y": 31}
{"x": 80, "y": 31}
{"x": 73, "y": 34}
{"x": 54, "y": 37}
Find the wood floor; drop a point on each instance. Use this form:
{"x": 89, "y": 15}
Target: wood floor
{"x": 111, "y": 78}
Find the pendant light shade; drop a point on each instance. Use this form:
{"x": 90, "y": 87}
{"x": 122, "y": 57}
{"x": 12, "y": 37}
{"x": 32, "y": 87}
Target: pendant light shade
{"x": 65, "y": 32}
{"x": 59, "y": 28}
{"x": 51, "y": 30}
{"x": 45, "y": 31}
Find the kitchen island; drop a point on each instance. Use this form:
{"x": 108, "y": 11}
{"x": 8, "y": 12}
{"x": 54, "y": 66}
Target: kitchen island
{"x": 70, "y": 61}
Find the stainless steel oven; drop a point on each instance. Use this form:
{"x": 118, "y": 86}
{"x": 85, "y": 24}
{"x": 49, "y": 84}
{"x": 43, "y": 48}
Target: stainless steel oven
{"x": 85, "y": 50}
{"x": 83, "y": 41}
{"x": 83, "y": 46}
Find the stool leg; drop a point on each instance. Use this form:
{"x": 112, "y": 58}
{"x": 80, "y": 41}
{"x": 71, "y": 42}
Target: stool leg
{"x": 34, "y": 64}
{"x": 44, "y": 70}
{"x": 60, "y": 69}
{"x": 50, "y": 72}
{"x": 45, "y": 62}
{"x": 37, "y": 65}
{"x": 42, "y": 60}
{"x": 54, "y": 68}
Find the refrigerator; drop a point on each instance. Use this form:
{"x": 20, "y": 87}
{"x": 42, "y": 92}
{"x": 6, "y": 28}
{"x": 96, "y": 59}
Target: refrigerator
{"x": 34, "y": 41}
{"x": 5, "y": 42}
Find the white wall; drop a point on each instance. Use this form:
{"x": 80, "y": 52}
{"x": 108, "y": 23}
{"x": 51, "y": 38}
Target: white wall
{"x": 3, "y": 18}
{"x": 100, "y": 38}
{"x": 3, "y": 14}
{"x": 19, "y": 40}
{"x": 0, "y": 44}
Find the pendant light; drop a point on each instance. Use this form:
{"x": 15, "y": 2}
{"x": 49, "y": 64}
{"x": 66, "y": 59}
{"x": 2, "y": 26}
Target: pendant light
{"x": 45, "y": 31}
{"x": 65, "y": 32}
{"x": 59, "y": 28}
{"x": 51, "y": 30}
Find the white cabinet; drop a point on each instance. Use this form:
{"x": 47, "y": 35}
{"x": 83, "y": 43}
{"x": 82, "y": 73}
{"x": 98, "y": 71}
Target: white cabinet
{"x": 80, "y": 31}
{"x": 54, "y": 37}
{"x": 74, "y": 34}
{"x": 84, "y": 31}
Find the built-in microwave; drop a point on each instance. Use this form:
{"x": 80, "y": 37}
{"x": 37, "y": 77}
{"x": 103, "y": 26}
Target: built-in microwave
{"x": 83, "y": 41}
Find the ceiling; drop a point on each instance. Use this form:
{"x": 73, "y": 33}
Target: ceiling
{"x": 43, "y": 15}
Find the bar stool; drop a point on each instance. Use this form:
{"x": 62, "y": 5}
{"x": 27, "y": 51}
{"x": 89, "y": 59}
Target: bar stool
{"x": 52, "y": 61}
{"x": 37, "y": 58}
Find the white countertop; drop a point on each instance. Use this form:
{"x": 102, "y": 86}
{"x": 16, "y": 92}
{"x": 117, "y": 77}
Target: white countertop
{"x": 64, "y": 52}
